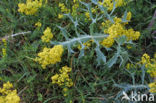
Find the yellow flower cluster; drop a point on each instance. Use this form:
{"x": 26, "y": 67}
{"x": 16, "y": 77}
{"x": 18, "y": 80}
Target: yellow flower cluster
{"x": 132, "y": 35}
{"x": 145, "y": 59}
{"x": 109, "y": 3}
{"x": 63, "y": 79}
{"x": 38, "y": 24}
{"x": 87, "y": 15}
{"x": 47, "y": 35}
{"x": 106, "y": 24}
{"x": 50, "y": 56}
{"x": 7, "y": 95}
{"x": 129, "y": 46}
{"x": 152, "y": 87}
{"x": 117, "y": 29}
{"x": 63, "y": 10}
{"x": 65, "y": 90}
{"x": 129, "y": 16}
{"x": 86, "y": 44}
{"x": 74, "y": 7}
{"x": 150, "y": 64}
{"x": 93, "y": 10}
{"x": 129, "y": 66}
{"x": 60, "y": 16}
{"x": 30, "y": 7}
{"x": 108, "y": 42}
{"x": 5, "y": 47}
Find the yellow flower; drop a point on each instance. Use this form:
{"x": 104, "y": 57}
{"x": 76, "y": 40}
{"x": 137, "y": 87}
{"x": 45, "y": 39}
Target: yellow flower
{"x": 116, "y": 30}
{"x": 4, "y": 49}
{"x": 109, "y": 4}
{"x": 7, "y": 85}
{"x": 65, "y": 94}
{"x": 38, "y": 24}
{"x": 60, "y": 16}
{"x": 129, "y": 15}
{"x": 65, "y": 89}
{"x": 117, "y": 20}
{"x": 47, "y": 35}
{"x": 128, "y": 66}
{"x": 108, "y": 42}
{"x": 63, "y": 8}
{"x": 152, "y": 87}
{"x": 132, "y": 35}
{"x": 4, "y": 42}
{"x": 93, "y": 10}
{"x": 145, "y": 59}
{"x": 54, "y": 78}
{"x": 2, "y": 99}
{"x": 65, "y": 69}
{"x": 62, "y": 79}
{"x": 150, "y": 64}
{"x": 106, "y": 24}
{"x": 12, "y": 97}
{"x": 74, "y": 8}
{"x": 30, "y": 7}
{"x": 87, "y": 14}
{"x": 86, "y": 44}
{"x": 50, "y": 56}
{"x": 4, "y": 52}
{"x": 8, "y": 95}
{"x": 100, "y": 3}
{"x": 129, "y": 47}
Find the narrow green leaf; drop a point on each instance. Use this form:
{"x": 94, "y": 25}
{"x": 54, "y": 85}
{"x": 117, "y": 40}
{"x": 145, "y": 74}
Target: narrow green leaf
{"x": 113, "y": 60}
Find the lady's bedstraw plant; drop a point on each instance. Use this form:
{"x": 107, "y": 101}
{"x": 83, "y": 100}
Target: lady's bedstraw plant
{"x": 109, "y": 4}
{"x": 146, "y": 64}
{"x": 117, "y": 29}
{"x": 65, "y": 10}
{"x": 152, "y": 87}
{"x": 47, "y": 35}
{"x": 50, "y": 56}
{"x": 31, "y": 6}
{"x": 8, "y": 95}
{"x": 63, "y": 80}
{"x": 150, "y": 65}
